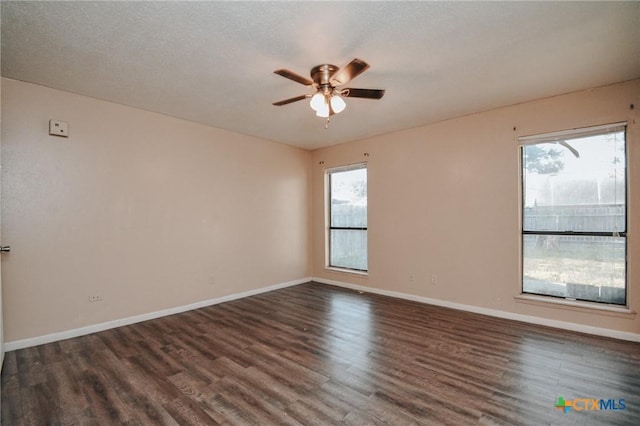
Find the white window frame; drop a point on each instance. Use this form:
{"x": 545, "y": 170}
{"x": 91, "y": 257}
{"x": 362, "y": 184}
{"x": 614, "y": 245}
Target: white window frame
{"x": 561, "y": 136}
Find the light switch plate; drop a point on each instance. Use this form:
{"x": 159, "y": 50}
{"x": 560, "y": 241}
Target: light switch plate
{"x": 59, "y": 128}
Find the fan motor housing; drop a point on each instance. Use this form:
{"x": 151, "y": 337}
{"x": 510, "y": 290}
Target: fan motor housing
{"x": 322, "y": 73}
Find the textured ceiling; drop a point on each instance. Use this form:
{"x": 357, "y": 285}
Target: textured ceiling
{"x": 213, "y": 62}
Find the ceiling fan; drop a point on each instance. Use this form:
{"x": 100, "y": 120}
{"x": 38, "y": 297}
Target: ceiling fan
{"x": 325, "y": 79}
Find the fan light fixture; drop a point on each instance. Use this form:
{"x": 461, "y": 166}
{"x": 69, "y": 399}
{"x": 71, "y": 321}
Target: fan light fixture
{"x": 317, "y": 101}
{"x": 323, "y": 111}
{"x": 337, "y": 104}
{"x": 326, "y": 104}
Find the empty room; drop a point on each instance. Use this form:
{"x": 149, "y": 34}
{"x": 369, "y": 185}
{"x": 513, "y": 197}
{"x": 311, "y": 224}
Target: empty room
{"x": 316, "y": 213}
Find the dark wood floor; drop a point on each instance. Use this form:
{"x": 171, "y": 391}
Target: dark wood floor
{"x": 316, "y": 354}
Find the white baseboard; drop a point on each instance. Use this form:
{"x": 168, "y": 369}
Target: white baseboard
{"x": 54, "y": 337}
{"x": 94, "y": 328}
{"x": 606, "y": 332}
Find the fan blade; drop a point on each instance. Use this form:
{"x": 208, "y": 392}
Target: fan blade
{"x": 290, "y": 100}
{"x": 349, "y": 72}
{"x": 362, "y": 93}
{"x": 295, "y": 77}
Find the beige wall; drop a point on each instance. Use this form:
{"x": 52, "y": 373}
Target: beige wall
{"x": 144, "y": 209}
{"x": 140, "y": 208}
{"x": 444, "y": 201}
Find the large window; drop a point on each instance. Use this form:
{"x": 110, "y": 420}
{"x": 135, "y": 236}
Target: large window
{"x": 348, "y": 217}
{"x": 574, "y": 214}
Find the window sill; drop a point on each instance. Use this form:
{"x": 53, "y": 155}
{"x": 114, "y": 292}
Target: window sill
{"x": 575, "y": 305}
{"x": 347, "y": 271}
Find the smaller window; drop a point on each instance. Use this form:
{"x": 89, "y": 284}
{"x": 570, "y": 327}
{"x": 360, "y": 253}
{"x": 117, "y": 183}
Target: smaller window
{"x": 347, "y": 236}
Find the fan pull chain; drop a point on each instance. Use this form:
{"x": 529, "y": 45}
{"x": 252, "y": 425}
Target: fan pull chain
{"x": 326, "y": 125}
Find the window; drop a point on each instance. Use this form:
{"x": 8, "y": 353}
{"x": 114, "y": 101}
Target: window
{"x": 347, "y": 236}
{"x": 574, "y": 214}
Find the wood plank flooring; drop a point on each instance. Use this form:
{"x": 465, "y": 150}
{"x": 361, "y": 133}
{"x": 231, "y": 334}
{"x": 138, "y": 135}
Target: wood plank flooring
{"x": 319, "y": 355}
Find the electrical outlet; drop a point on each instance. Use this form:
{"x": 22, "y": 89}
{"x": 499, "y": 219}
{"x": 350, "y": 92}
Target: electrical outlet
{"x": 434, "y": 279}
{"x": 95, "y": 298}
{"x": 59, "y": 128}
{"x": 412, "y": 277}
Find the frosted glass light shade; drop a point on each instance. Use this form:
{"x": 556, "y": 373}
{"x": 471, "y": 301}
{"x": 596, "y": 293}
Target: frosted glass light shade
{"x": 337, "y": 104}
{"x": 317, "y": 101}
{"x": 323, "y": 111}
